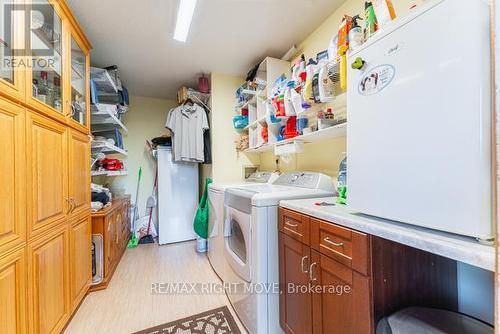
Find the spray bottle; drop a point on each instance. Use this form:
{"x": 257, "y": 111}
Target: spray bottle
{"x": 356, "y": 36}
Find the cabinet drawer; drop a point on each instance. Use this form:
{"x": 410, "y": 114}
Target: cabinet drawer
{"x": 342, "y": 244}
{"x": 295, "y": 225}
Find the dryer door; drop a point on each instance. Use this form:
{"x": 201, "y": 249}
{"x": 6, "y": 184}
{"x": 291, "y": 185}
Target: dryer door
{"x": 237, "y": 242}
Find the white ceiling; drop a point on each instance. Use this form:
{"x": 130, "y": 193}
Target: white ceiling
{"x": 226, "y": 36}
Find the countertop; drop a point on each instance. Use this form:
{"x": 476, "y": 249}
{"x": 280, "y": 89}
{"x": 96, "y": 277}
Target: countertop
{"x": 463, "y": 249}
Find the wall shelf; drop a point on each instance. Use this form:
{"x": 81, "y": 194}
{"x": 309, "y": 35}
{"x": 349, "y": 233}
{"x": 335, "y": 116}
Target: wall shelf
{"x": 109, "y": 173}
{"x": 106, "y": 147}
{"x": 336, "y": 131}
{"x": 103, "y": 119}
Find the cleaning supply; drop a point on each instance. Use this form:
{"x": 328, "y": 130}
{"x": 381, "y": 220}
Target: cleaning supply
{"x": 343, "y": 46}
{"x": 289, "y": 108}
{"x": 384, "y": 11}
{"x": 342, "y": 182}
{"x": 326, "y": 84}
{"x": 345, "y": 26}
{"x": 356, "y": 35}
{"x": 133, "y": 242}
{"x": 308, "y": 87}
{"x": 291, "y": 128}
{"x": 371, "y": 25}
{"x": 296, "y": 100}
{"x": 315, "y": 88}
{"x": 150, "y": 204}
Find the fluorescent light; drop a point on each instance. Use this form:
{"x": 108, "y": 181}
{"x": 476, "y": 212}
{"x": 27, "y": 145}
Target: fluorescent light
{"x": 184, "y": 18}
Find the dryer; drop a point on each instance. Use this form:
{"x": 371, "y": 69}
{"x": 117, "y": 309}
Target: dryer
{"x": 216, "y": 216}
{"x": 251, "y": 244}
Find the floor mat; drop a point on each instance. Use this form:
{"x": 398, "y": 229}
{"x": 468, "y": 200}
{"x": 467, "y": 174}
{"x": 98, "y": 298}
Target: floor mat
{"x": 217, "y": 321}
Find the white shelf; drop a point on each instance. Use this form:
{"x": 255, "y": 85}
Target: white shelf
{"x": 104, "y": 118}
{"x": 109, "y": 173}
{"x": 336, "y": 131}
{"x": 106, "y": 147}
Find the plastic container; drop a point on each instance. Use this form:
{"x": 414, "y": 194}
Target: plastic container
{"x": 201, "y": 245}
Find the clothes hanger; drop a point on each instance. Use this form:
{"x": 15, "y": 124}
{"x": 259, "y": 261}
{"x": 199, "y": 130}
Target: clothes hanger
{"x": 188, "y": 101}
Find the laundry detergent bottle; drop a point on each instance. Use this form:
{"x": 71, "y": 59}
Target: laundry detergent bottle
{"x": 326, "y": 85}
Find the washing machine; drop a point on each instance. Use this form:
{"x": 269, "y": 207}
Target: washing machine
{"x": 251, "y": 244}
{"x": 216, "y": 216}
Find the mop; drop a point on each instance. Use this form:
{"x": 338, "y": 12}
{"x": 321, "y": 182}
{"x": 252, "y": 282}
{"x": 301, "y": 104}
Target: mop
{"x": 147, "y": 238}
{"x": 133, "y": 240}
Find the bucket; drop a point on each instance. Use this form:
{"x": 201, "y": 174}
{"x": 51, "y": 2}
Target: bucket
{"x": 201, "y": 245}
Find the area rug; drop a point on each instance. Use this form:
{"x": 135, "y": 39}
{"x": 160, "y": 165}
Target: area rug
{"x": 217, "y": 321}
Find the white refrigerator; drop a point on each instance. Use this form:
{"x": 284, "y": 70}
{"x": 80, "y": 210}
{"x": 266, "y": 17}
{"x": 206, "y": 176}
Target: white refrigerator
{"x": 178, "y": 195}
{"x": 419, "y": 120}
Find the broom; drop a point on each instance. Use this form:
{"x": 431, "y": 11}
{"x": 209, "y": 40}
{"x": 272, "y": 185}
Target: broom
{"x": 133, "y": 242}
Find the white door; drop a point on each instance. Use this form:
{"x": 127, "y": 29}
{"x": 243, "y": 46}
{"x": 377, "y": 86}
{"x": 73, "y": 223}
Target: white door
{"x": 178, "y": 196}
{"x": 237, "y": 242}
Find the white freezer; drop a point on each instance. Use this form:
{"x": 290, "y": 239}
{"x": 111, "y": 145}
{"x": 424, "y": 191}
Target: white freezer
{"x": 177, "y": 198}
{"x": 419, "y": 120}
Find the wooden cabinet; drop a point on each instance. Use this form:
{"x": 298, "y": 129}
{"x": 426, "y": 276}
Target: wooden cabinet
{"x": 13, "y": 296}
{"x": 79, "y": 172}
{"x": 47, "y": 162}
{"x": 342, "y": 302}
{"x": 48, "y": 282}
{"x": 341, "y": 281}
{"x": 113, "y": 224}
{"x": 296, "y": 306}
{"x": 45, "y": 167}
{"x": 322, "y": 291}
{"x": 80, "y": 258}
{"x": 12, "y": 175}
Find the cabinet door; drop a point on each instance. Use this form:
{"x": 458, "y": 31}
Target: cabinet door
{"x": 12, "y": 175}
{"x": 79, "y": 172}
{"x": 295, "y": 303}
{"x": 343, "y": 306}
{"x": 47, "y": 54}
{"x": 80, "y": 259}
{"x": 48, "y": 173}
{"x": 13, "y": 293}
{"x": 110, "y": 241}
{"x": 12, "y": 62}
{"x": 49, "y": 282}
{"x": 79, "y": 85}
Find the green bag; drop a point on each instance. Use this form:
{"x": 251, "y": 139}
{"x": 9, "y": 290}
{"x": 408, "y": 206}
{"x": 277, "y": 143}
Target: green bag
{"x": 201, "y": 219}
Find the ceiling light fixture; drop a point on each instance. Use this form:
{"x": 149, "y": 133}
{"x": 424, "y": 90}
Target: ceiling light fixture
{"x": 184, "y": 18}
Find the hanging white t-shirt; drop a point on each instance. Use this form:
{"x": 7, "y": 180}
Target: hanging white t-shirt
{"x": 187, "y": 124}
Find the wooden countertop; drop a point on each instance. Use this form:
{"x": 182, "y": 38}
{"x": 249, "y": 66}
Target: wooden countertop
{"x": 115, "y": 204}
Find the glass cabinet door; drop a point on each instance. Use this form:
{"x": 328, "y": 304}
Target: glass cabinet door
{"x": 12, "y": 63}
{"x": 6, "y": 43}
{"x": 46, "y": 40}
{"x": 78, "y": 83}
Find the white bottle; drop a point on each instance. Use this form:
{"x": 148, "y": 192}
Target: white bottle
{"x": 289, "y": 108}
{"x": 296, "y": 100}
{"x": 326, "y": 85}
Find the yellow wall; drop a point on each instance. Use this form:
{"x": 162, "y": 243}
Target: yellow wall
{"x": 325, "y": 157}
{"x": 227, "y": 164}
{"x": 145, "y": 120}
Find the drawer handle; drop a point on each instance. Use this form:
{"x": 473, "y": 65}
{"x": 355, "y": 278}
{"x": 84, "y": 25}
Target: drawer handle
{"x": 302, "y": 264}
{"x": 289, "y": 224}
{"x": 312, "y": 277}
{"x": 333, "y": 243}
